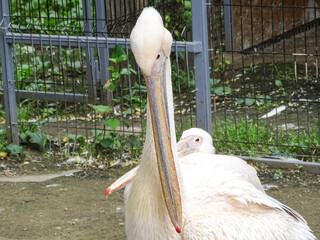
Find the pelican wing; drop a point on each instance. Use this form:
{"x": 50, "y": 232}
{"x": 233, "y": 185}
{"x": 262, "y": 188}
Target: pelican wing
{"x": 220, "y": 203}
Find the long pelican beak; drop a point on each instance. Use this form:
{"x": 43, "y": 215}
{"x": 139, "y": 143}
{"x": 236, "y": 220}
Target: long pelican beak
{"x": 166, "y": 165}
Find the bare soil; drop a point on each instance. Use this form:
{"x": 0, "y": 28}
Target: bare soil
{"x": 74, "y": 206}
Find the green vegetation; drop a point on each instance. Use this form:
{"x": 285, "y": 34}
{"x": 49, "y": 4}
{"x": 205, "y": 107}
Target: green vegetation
{"x": 252, "y": 138}
{"x": 47, "y": 68}
{"x": 178, "y": 18}
{"x": 182, "y": 80}
{"x": 63, "y": 69}
{"x": 277, "y": 174}
{"x": 46, "y": 16}
{"x": 241, "y": 137}
{"x": 118, "y": 57}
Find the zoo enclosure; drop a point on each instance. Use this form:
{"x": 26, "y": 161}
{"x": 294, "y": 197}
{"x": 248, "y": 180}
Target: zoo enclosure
{"x": 242, "y": 60}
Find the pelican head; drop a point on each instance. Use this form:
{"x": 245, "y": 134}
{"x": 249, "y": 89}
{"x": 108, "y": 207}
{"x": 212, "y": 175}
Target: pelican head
{"x": 150, "y": 42}
{"x": 151, "y": 46}
{"x": 195, "y": 140}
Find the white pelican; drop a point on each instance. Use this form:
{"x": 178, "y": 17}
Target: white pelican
{"x": 192, "y": 198}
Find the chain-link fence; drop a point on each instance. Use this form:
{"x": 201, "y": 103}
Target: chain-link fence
{"x": 265, "y": 75}
{"x": 75, "y": 86}
{"x": 70, "y": 81}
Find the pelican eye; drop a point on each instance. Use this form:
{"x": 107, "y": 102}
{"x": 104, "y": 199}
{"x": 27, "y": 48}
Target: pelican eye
{"x": 158, "y": 56}
{"x": 197, "y": 139}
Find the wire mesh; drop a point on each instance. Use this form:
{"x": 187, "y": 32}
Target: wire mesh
{"x": 63, "y": 103}
{"x": 263, "y": 64}
{"x": 265, "y": 77}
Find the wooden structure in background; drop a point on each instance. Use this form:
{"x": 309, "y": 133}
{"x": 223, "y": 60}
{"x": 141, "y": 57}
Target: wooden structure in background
{"x": 249, "y": 23}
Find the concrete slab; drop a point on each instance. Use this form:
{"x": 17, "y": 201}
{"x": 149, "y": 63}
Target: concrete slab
{"x": 37, "y": 178}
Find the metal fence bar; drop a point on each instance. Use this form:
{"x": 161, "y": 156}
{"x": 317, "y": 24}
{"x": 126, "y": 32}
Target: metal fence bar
{"x": 106, "y": 96}
{"x": 8, "y": 77}
{"x": 315, "y": 167}
{"x": 201, "y": 63}
{"x": 91, "y": 66}
{"x": 50, "y": 96}
{"x": 228, "y": 23}
{"x": 85, "y": 41}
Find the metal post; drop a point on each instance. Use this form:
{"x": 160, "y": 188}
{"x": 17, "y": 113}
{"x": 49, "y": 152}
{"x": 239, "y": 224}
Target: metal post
{"x": 9, "y": 93}
{"x": 104, "y": 76}
{"x": 201, "y": 63}
{"x": 228, "y": 24}
{"x": 92, "y": 91}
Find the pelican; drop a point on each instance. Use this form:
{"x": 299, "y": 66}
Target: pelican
{"x": 197, "y": 140}
{"x": 195, "y": 197}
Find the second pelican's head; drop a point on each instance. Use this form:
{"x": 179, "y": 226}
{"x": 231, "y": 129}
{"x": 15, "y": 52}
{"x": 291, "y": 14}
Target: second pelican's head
{"x": 195, "y": 140}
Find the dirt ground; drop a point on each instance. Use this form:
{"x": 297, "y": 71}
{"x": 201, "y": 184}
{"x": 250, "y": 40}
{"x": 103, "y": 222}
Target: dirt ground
{"x": 74, "y": 206}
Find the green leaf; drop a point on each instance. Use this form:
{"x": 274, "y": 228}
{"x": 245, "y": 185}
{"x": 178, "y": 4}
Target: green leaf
{"x": 239, "y": 101}
{"x": 112, "y": 86}
{"x": 187, "y": 5}
{"x": 115, "y": 75}
{"x": 220, "y": 90}
{"x": 73, "y": 138}
{"x": 127, "y": 112}
{"x": 101, "y": 108}
{"x": 141, "y": 87}
{"x": 117, "y": 143}
{"x": 115, "y": 100}
{"x": 80, "y": 138}
{"x": 106, "y": 142}
{"x": 48, "y": 111}
{"x": 278, "y": 83}
{"x": 24, "y": 137}
{"x": 213, "y": 81}
{"x": 37, "y": 137}
{"x": 133, "y": 71}
{"x": 249, "y": 101}
{"x": 167, "y": 18}
{"x": 227, "y": 90}
{"x": 260, "y": 99}
{"x": 112, "y": 60}
{"x": 3, "y": 132}
{"x": 125, "y": 71}
{"x": 132, "y": 141}
{"x": 268, "y": 99}
{"x": 14, "y": 149}
{"x": 118, "y": 51}
{"x": 104, "y": 122}
{"x": 113, "y": 123}
{"x": 122, "y": 58}
{"x": 110, "y": 68}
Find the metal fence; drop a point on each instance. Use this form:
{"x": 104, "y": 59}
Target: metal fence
{"x": 264, "y": 59}
{"x": 68, "y": 74}
{"x": 247, "y": 71}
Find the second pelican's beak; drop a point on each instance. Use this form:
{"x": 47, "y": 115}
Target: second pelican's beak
{"x": 183, "y": 148}
{"x": 157, "y": 96}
